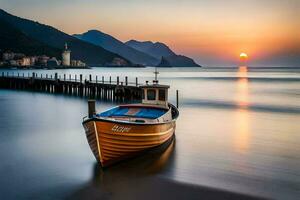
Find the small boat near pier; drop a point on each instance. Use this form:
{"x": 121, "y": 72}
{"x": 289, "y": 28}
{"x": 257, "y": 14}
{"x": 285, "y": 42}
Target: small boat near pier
{"x": 127, "y": 130}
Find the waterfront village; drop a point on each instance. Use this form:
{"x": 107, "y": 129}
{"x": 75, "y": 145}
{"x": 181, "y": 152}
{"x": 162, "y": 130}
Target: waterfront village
{"x": 20, "y": 60}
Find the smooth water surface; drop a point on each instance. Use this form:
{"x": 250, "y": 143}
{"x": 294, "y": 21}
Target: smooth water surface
{"x": 238, "y": 130}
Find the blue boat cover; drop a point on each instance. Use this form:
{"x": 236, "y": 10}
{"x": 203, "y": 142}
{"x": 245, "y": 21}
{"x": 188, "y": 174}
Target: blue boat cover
{"x": 150, "y": 113}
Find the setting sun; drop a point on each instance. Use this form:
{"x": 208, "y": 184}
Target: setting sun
{"x": 243, "y": 57}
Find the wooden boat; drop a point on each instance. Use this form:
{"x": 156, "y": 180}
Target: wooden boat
{"x": 127, "y": 130}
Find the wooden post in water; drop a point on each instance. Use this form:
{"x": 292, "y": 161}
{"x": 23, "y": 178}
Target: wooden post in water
{"x": 55, "y": 77}
{"x": 109, "y": 79}
{"x": 33, "y": 75}
{"x": 96, "y": 79}
{"x": 177, "y": 99}
{"x": 64, "y": 77}
{"x": 75, "y": 77}
{"x": 126, "y": 80}
{"x": 70, "y": 77}
{"x": 102, "y": 79}
{"x": 136, "y": 81}
{"x": 91, "y": 107}
{"x": 90, "y": 77}
{"x": 117, "y": 80}
{"x": 80, "y": 78}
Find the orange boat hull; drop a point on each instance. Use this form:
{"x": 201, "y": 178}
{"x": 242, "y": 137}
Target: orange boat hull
{"x": 111, "y": 141}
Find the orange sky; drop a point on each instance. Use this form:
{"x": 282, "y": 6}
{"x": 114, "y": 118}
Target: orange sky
{"x": 211, "y": 32}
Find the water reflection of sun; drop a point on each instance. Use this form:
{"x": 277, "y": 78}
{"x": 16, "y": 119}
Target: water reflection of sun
{"x": 241, "y": 140}
{"x": 242, "y": 97}
{"x": 242, "y": 135}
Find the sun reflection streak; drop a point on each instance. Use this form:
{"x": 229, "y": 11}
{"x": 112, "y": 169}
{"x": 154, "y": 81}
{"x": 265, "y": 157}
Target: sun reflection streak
{"x": 243, "y": 90}
{"x": 242, "y": 136}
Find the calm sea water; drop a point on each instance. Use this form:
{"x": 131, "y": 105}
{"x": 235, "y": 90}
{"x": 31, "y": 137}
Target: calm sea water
{"x": 238, "y": 130}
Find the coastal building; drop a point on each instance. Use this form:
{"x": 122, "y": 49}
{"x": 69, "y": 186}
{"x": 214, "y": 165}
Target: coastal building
{"x": 8, "y": 56}
{"x": 11, "y": 55}
{"x": 25, "y": 61}
{"x": 20, "y": 59}
{"x": 33, "y": 60}
{"x": 13, "y": 63}
{"x": 66, "y": 56}
{"x": 118, "y": 62}
{"x": 42, "y": 60}
{"x": 77, "y": 63}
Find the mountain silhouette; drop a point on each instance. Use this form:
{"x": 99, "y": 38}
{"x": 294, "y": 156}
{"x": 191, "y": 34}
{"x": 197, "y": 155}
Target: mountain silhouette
{"x": 14, "y": 40}
{"x": 87, "y": 52}
{"x": 164, "y": 53}
{"x": 177, "y": 61}
{"x": 156, "y": 50}
{"x": 112, "y": 44}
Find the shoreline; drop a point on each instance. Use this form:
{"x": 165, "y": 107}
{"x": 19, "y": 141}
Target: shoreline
{"x": 43, "y": 68}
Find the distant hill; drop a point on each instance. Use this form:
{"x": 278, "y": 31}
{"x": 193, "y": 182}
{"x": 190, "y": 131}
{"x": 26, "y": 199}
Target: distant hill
{"x": 14, "y": 40}
{"x": 177, "y": 61}
{"x": 87, "y": 52}
{"x": 156, "y": 50}
{"x": 164, "y": 53}
{"x": 114, "y": 45}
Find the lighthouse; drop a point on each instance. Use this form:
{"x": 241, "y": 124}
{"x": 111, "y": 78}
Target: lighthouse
{"x": 66, "y": 56}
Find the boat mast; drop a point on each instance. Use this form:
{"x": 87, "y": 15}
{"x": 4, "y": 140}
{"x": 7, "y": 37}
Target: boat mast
{"x": 156, "y": 73}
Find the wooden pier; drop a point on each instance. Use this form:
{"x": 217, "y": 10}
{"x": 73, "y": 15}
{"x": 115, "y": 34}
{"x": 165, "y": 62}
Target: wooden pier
{"x": 97, "y": 88}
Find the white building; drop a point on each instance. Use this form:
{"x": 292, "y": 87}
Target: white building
{"x": 66, "y": 56}
{"x": 24, "y": 61}
{"x": 77, "y": 63}
{"x": 8, "y": 56}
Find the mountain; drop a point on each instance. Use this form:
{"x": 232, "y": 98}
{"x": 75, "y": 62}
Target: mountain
{"x": 14, "y": 40}
{"x": 162, "y": 52}
{"x": 177, "y": 61}
{"x": 114, "y": 45}
{"x": 89, "y": 53}
{"x": 156, "y": 50}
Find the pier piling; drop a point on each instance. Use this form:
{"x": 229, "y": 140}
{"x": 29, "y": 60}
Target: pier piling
{"x": 91, "y": 108}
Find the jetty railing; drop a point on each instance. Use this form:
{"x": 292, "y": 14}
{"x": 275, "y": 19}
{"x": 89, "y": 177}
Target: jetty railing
{"x": 96, "y": 87}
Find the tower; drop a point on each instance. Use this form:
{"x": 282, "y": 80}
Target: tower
{"x": 66, "y": 56}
